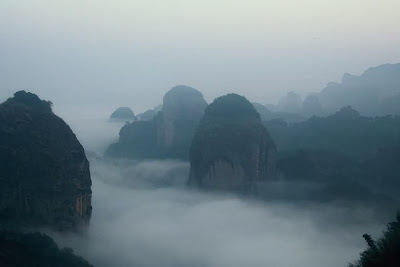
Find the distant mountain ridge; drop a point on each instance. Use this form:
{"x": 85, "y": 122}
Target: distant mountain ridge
{"x": 369, "y": 93}
{"x": 346, "y": 131}
{"x": 376, "y": 92}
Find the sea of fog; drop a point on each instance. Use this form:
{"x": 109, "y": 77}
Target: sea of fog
{"x": 144, "y": 215}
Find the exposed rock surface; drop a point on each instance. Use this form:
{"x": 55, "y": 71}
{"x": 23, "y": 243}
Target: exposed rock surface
{"x": 231, "y": 149}
{"x": 123, "y": 113}
{"x": 182, "y": 110}
{"x": 44, "y": 173}
{"x": 167, "y": 135}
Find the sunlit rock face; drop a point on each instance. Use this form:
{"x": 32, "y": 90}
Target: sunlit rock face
{"x": 231, "y": 149}
{"x": 44, "y": 174}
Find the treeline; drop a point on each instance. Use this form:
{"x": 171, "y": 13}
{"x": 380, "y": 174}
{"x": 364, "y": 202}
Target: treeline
{"x": 383, "y": 252}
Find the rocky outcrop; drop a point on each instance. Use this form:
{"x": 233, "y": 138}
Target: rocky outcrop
{"x": 44, "y": 175}
{"x": 183, "y": 107}
{"x": 367, "y": 93}
{"x": 169, "y": 133}
{"x": 35, "y": 249}
{"x": 123, "y": 113}
{"x": 231, "y": 149}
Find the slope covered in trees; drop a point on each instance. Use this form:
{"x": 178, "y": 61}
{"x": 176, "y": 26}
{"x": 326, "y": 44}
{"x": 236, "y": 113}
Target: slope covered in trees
{"x": 383, "y": 252}
{"x": 35, "y": 250}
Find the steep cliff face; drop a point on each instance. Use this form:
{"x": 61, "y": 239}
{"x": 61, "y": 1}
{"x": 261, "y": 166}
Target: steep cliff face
{"x": 231, "y": 150}
{"x": 44, "y": 175}
{"x": 182, "y": 110}
{"x": 35, "y": 249}
{"x": 169, "y": 134}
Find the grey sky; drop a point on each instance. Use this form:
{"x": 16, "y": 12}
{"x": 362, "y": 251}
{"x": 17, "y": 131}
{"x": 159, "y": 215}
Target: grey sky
{"x": 131, "y": 52}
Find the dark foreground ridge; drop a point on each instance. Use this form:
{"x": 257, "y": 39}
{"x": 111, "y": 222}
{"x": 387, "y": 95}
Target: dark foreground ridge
{"x": 35, "y": 249}
{"x": 44, "y": 174}
{"x": 123, "y": 113}
{"x": 383, "y": 252}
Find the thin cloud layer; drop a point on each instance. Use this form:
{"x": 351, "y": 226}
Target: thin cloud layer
{"x": 145, "y": 215}
{"x": 171, "y": 225}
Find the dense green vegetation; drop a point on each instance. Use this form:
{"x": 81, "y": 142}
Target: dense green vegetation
{"x": 384, "y": 252}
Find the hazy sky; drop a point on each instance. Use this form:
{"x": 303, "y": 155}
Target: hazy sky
{"x": 130, "y": 52}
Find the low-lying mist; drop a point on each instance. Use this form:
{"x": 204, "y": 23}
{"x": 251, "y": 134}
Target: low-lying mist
{"x": 139, "y": 223}
{"x": 145, "y": 215}
{"x": 92, "y": 126}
